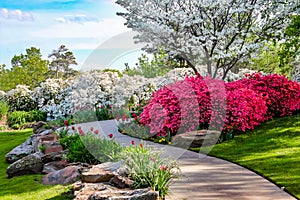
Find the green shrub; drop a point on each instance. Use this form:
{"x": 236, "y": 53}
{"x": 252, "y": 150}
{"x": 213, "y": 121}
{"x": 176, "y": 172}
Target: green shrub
{"x": 104, "y": 113}
{"x": 76, "y": 150}
{"x": 37, "y": 115}
{"x": 3, "y": 109}
{"x": 148, "y": 169}
{"x": 90, "y": 148}
{"x": 104, "y": 150}
{"x": 18, "y": 119}
{"x": 84, "y": 116}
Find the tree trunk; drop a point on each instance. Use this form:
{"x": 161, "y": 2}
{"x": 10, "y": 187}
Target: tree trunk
{"x": 192, "y": 66}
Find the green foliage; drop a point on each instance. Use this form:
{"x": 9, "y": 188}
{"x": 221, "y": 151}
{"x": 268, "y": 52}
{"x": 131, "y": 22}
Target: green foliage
{"x": 268, "y": 61}
{"x": 148, "y": 169}
{"x": 37, "y": 115}
{"x": 17, "y": 119}
{"x": 103, "y": 149}
{"x": 62, "y": 59}
{"x": 84, "y": 116}
{"x": 77, "y": 152}
{"x": 27, "y": 69}
{"x": 90, "y": 148}
{"x": 28, "y": 187}
{"x": 113, "y": 70}
{"x": 272, "y": 150}
{"x": 158, "y": 66}
{"x": 42, "y": 148}
{"x": 3, "y": 109}
{"x": 104, "y": 113}
{"x": 134, "y": 130}
{"x": 290, "y": 48}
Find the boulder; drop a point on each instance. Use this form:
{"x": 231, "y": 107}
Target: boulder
{"x": 96, "y": 175}
{"x": 113, "y": 167}
{"x": 38, "y": 127}
{"x": 196, "y": 139}
{"x": 46, "y": 132}
{"x": 54, "y": 156}
{"x": 31, "y": 164}
{"x": 121, "y": 182}
{"x": 102, "y": 191}
{"x": 22, "y": 150}
{"x": 53, "y": 148}
{"x": 54, "y": 166}
{"x": 64, "y": 176}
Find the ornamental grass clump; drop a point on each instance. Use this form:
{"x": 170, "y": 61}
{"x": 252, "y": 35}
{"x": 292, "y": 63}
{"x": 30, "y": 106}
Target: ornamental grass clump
{"x": 148, "y": 169}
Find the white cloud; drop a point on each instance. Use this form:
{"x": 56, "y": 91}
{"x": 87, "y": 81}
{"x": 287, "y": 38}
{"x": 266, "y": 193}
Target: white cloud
{"x": 15, "y": 14}
{"x": 80, "y": 18}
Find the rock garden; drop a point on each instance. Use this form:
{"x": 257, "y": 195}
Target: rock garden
{"x": 186, "y": 111}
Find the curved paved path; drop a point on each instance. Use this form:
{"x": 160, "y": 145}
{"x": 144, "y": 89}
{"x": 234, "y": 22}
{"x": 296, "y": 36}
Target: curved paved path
{"x": 205, "y": 177}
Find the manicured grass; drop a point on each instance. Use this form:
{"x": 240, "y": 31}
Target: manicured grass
{"x": 28, "y": 186}
{"x": 272, "y": 150}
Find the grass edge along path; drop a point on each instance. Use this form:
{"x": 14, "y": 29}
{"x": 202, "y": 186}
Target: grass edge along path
{"x": 27, "y": 186}
{"x": 272, "y": 150}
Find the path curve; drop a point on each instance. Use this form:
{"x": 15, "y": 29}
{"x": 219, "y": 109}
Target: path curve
{"x": 205, "y": 177}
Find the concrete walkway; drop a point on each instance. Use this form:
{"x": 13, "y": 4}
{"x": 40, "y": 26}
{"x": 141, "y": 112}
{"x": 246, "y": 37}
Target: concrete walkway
{"x": 205, "y": 177}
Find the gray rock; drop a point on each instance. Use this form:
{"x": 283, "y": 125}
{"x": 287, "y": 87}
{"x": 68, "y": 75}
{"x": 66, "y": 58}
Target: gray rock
{"x": 54, "y": 156}
{"x": 64, "y": 176}
{"x": 196, "y": 139}
{"x": 38, "y": 127}
{"x": 22, "y": 150}
{"x": 54, "y": 166}
{"x": 114, "y": 167}
{"x": 102, "y": 191}
{"x": 96, "y": 175}
{"x": 121, "y": 182}
{"x": 26, "y": 165}
{"x": 46, "y": 132}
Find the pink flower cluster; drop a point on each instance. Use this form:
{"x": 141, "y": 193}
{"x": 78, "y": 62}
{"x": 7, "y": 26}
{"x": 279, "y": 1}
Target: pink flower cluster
{"x": 282, "y": 96}
{"x": 204, "y": 102}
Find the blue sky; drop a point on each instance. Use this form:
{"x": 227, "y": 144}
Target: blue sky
{"x": 81, "y": 25}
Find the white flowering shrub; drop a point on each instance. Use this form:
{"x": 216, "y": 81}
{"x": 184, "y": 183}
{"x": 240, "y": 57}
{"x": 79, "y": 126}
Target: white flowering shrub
{"x": 20, "y": 99}
{"x": 295, "y": 74}
{"x": 49, "y": 96}
{"x": 91, "y": 90}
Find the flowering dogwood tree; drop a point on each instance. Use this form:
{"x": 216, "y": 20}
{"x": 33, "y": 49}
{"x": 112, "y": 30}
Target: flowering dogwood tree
{"x": 220, "y": 32}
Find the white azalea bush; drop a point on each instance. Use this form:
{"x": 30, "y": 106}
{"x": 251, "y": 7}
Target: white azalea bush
{"x": 89, "y": 90}
{"x": 20, "y": 99}
{"x": 49, "y": 96}
{"x": 61, "y": 98}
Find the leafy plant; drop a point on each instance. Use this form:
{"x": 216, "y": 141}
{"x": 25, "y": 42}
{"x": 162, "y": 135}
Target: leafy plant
{"x": 83, "y": 116}
{"x": 3, "y": 109}
{"x": 104, "y": 113}
{"x": 148, "y": 169}
{"x": 17, "y": 119}
{"x": 90, "y": 148}
{"x": 42, "y": 148}
{"x": 37, "y": 115}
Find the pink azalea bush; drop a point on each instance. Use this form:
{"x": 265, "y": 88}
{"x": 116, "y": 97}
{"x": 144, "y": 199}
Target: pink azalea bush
{"x": 184, "y": 106}
{"x": 245, "y": 107}
{"x": 282, "y": 96}
{"x": 202, "y": 102}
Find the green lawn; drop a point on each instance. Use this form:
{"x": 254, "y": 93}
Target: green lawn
{"x": 28, "y": 186}
{"x": 272, "y": 150}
